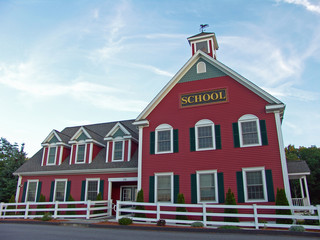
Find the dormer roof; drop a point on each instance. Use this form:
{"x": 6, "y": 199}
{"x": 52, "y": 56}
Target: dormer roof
{"x": 56, "y": 137}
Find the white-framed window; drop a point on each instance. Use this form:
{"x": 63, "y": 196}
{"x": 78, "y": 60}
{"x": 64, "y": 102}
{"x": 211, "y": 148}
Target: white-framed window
{"x": 52, "y": 154}
{"x": 201, "y": 67}
{"x": 249, "y": 130}
{"x": 164, "y": 139}
{"x": 164, "y": 187}
{"x": 118, "y": 150}
{"x": 205, "y": 139}
{"x": 81, "y": 153}
{"x": 60, "y": 190}
{"x": 254, "y": 182}
{"x": 207, "y": 186}
{"x": 203, "y": 46}
{"x": 32, "y": 189}
{"x": 92, "y": 188}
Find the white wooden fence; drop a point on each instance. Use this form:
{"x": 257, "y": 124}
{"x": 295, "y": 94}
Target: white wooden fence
{"x": 256, "y": 216}
{"x": 58, "y": 210}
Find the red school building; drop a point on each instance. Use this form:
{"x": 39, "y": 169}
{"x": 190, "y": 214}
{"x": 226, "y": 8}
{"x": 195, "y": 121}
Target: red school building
{"x": 208, "y": 130}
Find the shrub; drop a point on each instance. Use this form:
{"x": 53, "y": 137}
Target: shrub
{"x": 70, "y": 199}
{"x": 296, "y": 229}
{"x": 161, "y": 222}
{"x": 41, "y": 199}
{"x": 12, "y": 200}
{"x": 125, "y": 221}
{"x": 228, "y": 227}
{"x": 180, "y": 200}
{"x": 230, "y": 200}
{"x": 46, "y": 217}
{"x": 197, "y": 224}
{"x": 140, "y": 198}
{"x": 281, "y": 200}
{"x": 99, "y": 198}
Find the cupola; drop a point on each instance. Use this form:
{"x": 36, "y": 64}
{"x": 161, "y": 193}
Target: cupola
{"x": 205, "y": 42}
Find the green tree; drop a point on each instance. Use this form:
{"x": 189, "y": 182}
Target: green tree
{"x": 230, "y": 200}
{"x": 312, "y": 156}
{"x": 281, "y": 200}
{"x": 11, "y": 158}
{"x": 140, "y": 198}
{"x": 180, "y": 200}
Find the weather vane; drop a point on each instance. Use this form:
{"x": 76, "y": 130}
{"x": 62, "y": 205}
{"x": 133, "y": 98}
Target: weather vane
{"x": 203, "y": 26}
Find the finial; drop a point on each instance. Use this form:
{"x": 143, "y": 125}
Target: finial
{"x": 203, "y": 26}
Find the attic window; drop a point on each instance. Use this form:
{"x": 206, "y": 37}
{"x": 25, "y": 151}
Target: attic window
{"x": 203, "y": 46}
{"x": 201, "y": 67}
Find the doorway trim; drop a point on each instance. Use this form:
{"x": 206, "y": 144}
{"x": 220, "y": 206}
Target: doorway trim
{"x": 111, "y": 180}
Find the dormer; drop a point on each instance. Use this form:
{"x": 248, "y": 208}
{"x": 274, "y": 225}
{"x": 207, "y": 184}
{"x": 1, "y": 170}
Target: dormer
{"x": 55, "y": 149}
{"x": 85, "y": 145}
{"x": 206, "y": 42}
{"x": 121, "y": 144}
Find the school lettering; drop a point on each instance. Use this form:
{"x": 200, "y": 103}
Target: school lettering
{"x": 206, "y": 97}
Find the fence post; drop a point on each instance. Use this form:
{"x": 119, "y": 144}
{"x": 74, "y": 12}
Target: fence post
{"x": 255, "y": 214}
{"x": 56, "y": 206}
{"x": 158, "y": 211}
{"x": 204, "y": 214}
{"x": 88, "y": 209}
{"x": 117, "y": 210}
{"x": 109, "y": 207}
{"x": 318, "y": 210}
{"x": 1, "y": 207}
{"x": 26, "y": 211}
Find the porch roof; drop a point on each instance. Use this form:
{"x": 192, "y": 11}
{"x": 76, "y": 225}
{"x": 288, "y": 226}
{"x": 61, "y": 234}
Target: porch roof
{"x": 298, "y": 168}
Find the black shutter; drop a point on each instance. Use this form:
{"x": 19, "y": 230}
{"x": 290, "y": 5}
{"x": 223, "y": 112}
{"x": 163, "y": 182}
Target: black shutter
{"x": 83, "y": 190}
{"x": 263, "y": 130}
{"x": 270, "y": 189}
{"x": 152, "y": 142}
{"x": 101, "y": 187}
{"x": 175, "y": 188}
{"x": 192, "y": 139}
{"x": 220, "y": 188}
{"x": 194, "y": 199}
{"x": 151, "y": 189}
{"x": 39, "y": 191}
{"x": 24, "y": 192}
{"x": 68, "y": 191}
{"x": 218, "y": 136}
{"x": 175, "y": 140}
{"x": 51, "y": 191}
{"x": 240, "y": 187}
{"x": 236, "y": 139}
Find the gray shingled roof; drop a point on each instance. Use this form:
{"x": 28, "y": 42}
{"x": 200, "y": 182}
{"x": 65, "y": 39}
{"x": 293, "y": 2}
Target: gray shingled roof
{"x": 296, "y": 167}
{"x": 97, "y": 131}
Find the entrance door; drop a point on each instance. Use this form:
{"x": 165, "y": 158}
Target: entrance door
{"x": 129, "y": 193}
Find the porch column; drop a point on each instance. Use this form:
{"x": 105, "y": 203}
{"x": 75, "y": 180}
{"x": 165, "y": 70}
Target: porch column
{"x": 109, "y": 189}
{"x": 18, "y": 189}
{"x": 307, "y": 190}
{"x": 301, "y": 187}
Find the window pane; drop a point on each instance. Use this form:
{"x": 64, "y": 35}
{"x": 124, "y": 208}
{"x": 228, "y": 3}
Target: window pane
{"x": 249, "y": 132}
{"x": 207, "y": 187}
{"x": 117, "y": 154}
{"x": 52, "y": 155}
{"x": 80, "y": 155}
{"x": 164, "y": 141}
{"x": 164, "y": 188}
{"x": 203, "y": 46}
{"x": 205, "y": 137}
{"x": 32, "y": 191}
{"x": 92, "y": 190}
{"x": 60, "y": 190}
{"x": 254, "y": 185}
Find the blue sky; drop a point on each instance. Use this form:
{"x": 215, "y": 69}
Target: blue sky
{"x": 66, "y": 63}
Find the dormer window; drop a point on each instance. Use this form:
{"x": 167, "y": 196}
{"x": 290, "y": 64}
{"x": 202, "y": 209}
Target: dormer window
{"x": 118, "y": 147}
{"x": 52, "y": 156}
{"x": 80, "y": 153}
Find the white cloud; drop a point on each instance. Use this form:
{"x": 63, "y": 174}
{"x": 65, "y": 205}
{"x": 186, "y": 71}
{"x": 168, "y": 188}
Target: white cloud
{"x": 307, "y": 4}
{"x": 153, "y": 69}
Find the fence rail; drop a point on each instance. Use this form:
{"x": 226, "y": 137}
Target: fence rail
{"x": 256, "y": 216}
{"x": 59, "y": 210}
